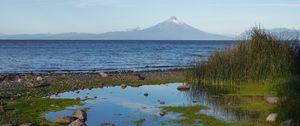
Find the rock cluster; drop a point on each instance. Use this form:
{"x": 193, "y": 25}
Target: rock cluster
{"x": 78, "y": 119}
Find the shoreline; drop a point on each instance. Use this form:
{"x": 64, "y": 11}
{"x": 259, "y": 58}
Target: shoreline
{"x": 34, "y": 84}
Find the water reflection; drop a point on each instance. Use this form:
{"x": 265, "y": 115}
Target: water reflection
{"x": 219, "y": 102}
{"x": 122, "y": 106}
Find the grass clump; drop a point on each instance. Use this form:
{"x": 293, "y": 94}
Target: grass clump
{"x": 32, "y": 110}
{"x": 258, "y": 57}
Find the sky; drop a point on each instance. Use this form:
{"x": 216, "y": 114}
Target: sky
{"x": 99, "y": 16}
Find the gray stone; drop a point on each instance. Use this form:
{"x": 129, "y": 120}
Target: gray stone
{"x": 108, "y": 124}
{"x": 272, "y": 117}
{"x": 65, "y": 119}
{"x": 80, "y": 114}
{"x": 77, "y": 122}
{"x": 272, "y": 99}
{"x": 286, "y": 123}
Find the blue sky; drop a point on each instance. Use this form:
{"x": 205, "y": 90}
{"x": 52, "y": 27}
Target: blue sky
{"x": 98, "y": 16}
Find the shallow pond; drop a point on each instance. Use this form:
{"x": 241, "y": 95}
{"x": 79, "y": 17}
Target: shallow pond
{"x": 123, "y": 106}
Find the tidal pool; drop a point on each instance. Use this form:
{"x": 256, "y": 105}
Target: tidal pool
{"x": 124, "y": 106}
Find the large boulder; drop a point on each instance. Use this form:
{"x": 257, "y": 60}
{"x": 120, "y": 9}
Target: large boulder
{"x": 65, "y": 119}
{"x": 183, "y": 88}
{"x": 77, "y": 122}
{"x": 80, "y": 114}
{"x": 108, "y": 124}
{"x": 272, "y": 117}
{"x": 272, "y": 99}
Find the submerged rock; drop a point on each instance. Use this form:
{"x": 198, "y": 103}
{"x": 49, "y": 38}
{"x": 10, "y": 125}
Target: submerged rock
{"x": 286, "y": 123}
{"x": 146, "y": 94}
{"x": 108, "y": 124}
{"x": 272, "y": 117}
{"x": 272, "y": 99}
{"x": 65, "y": 119}
{"x": 80, "y": 114}
{"x": 183, "y": 88}
{"x": 77, "y": 122}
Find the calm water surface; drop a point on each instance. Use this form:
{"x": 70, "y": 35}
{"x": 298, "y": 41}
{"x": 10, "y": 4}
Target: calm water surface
{"x": 122, "y": 106}
{"x": 86, "y": 56}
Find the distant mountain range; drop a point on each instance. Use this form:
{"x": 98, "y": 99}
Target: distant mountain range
{"x": 282, "y": 33}
{"x": 285, "y": 33}
{"x": 171, "y": 29}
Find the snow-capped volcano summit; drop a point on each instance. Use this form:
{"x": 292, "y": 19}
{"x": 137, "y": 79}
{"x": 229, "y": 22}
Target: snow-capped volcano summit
{"x": 174, "y": 20}
{"x": 170, "y": 29}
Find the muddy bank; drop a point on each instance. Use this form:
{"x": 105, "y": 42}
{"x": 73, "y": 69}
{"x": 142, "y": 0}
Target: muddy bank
{"x": 11, "y": 81}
